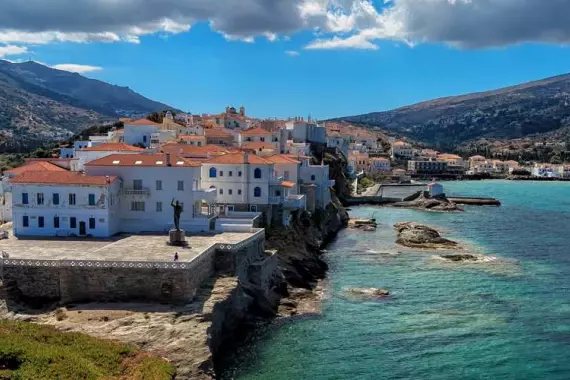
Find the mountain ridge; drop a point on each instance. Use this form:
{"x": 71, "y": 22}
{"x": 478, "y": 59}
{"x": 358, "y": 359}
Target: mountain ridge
{"x": 517, "y": 111}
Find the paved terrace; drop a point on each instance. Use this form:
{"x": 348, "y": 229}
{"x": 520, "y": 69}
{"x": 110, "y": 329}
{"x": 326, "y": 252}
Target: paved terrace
{"x": 132, "y": 248}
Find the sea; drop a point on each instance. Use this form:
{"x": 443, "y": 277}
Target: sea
{"x": 506, "y": 317}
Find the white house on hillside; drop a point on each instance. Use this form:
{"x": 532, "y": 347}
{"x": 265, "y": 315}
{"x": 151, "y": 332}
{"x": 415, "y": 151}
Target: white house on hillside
{"x": 140, "y": 132}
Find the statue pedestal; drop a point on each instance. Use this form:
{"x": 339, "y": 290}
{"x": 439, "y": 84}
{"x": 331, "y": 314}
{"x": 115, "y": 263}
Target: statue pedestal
{"x": 177, "y": 238}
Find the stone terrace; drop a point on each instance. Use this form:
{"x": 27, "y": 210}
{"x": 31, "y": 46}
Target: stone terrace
{"x": 134, "y": 248}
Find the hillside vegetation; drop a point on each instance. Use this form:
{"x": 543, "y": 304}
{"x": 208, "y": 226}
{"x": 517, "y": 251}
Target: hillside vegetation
{"x": 31, "y": 351}
{"x": 531, "y": 109}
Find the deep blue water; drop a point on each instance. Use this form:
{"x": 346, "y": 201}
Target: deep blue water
{"x": 507, "y": 319}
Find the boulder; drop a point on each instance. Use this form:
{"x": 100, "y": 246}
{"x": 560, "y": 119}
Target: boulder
{"x": 416, "y": 235}
{"x": 422, "y": 202}
{"x": 367, "y": 292}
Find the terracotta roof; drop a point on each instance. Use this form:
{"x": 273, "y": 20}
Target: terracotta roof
{"x": 144, "y": 160}
{"x": 113, "y": 147}
{"x": 297, "y": 156}
{"x": 256, "y": 131}
{"x": 238, "y": 158}
{"x": 63, "y": 178}
{"x": 477, "y": 158}
{"x": 282, "y": 159}
{"x": 449, "y": 157}
{"x": 193, "y": 151}
{"x": 141, "y": 122}
{"x": 192, "y": 138}
{"x": 218, "y": 132}
{"x": 288, "y": 184}
{"x": 258, "y": 145}
{"x": 35, "y": 166}
{"x": 400, "y": 143}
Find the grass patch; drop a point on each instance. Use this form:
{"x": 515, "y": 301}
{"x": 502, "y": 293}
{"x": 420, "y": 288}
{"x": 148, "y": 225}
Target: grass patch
{"x": 31, "y": 351}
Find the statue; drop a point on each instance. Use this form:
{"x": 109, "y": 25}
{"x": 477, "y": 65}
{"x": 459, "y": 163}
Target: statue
{"x": 177, "y": 212}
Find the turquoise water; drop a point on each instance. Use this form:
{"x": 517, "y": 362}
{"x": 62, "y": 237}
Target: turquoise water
{"x": 507, "y": 319}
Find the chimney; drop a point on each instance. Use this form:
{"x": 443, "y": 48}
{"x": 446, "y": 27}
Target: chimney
{"x": 168, "y": 159}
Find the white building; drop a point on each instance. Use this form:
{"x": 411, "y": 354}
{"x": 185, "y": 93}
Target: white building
{"x": 140, "y": 132}
{"x": 65, "y": 204}
{"x": 149, "y": 184}
{"x": 315, "y": 183}
{"x": 92, "y": 153}
{"x": 307, "y": 132}
{"x": 402, "y": 150}
{"x": 379, "y": 165}
{"x": 342, "y": 142}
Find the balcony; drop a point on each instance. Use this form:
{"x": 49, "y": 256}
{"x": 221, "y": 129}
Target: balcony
{"x": 275, "y": 200}
{"x": 295, "y": 202}
{"x": 331, "y": 182}
{"x": 142, "y": 192}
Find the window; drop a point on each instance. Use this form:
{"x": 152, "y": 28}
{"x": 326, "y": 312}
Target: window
{"x": 137, "y": 184}
{"x": 56, "y": 222}
{"x": 286, "y": 174}
{"x": 40, "y": 198}
{"x": 159, "y": 185}
{"x": 277, "y": 193}
{"x": 239, "y": 174}
{"x": 158, "y": 206}
{"x": 221, "y": 191}
{"x": 262, "y": 139}
{"x": 239, "y": 191}
{"x": 231, "y": 173}
{"x": 137, "y": 206}
{"x": 313, "y": 177}
{"x": 72, "y": 199}
{"x": 40, "y": 221}
{"x": 25, "y": 221}
{"x": 91, "y": 199}
{"x": 25, "y": 200}
{"x": 257, "y": 192}
{"x": 213, "y": 173}
{"x": 73, "y": 222}
{"x": 55, "y": 199}
{"x": 91, "y": 223}
{"x": 180, "y": 185}
{"x": 221, "y": 173}
{"x": 230, "y": 191}
{"x": 144, "y": 139}
{"x": 257, "y": 173}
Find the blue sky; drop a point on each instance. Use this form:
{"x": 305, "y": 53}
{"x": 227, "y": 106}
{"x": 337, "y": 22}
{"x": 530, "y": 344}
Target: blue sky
{"x": 353, "y": 57}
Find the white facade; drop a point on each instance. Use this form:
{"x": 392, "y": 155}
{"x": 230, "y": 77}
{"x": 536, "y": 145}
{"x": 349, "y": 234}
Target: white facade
{"x": 140, "y": 133}
{"x": 147, "y": 193}
{"x": 65, "y": 210}
{"x": 403, "y": 150}
{"x": 379, "y": 165}
{"x": 5, "y": 200}
{"x": 317, "y": 175}
{"x": 307, "y": 132}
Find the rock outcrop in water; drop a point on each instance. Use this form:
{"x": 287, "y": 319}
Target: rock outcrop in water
{"x": 374, "y": 293}
{"x": 422, "y": 202}
{"x": 416, "y": 235}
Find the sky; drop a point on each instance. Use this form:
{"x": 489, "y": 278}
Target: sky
{"x": 281, "y": 58}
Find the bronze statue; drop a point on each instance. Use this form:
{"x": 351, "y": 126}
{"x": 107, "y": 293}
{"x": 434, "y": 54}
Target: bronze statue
{"x": 177, "y": 211}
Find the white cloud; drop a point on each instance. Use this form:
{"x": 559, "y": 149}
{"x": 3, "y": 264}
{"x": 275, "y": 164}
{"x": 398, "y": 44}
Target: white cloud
{"x": 343, "y": 23}
{"x": 12, "y": 50}
{"x": 71, "y": 67}
{"x": 357, "y": 41}
{"x": 292, "y": 53}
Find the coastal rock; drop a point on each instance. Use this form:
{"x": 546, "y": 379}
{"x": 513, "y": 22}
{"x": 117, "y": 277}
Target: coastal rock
{"x": 416, "y": 235}
{"x": 421, "y": 201}
{"x": 467, "y": 258}
{"x": 367, "y": 292}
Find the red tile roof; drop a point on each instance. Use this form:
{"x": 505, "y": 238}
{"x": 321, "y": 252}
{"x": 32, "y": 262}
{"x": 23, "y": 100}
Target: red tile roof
{"x": 218, "y": 132}
{"x": 288, "y": 184}
{"x": 193, "y": 151}
{"x": 256, "y": 131}
{"x": 141, "y": 122}
{"x": 113, "y": 147}
{"x": 238, "y": 158}
{"x": 192, "y": 138}
{"x": 144, "y": 160}
{"x": 35, "y": 166}
{"x": 258, "y": 145}
{"x": 62, "y": 178}
{"x": 282, "y": 159}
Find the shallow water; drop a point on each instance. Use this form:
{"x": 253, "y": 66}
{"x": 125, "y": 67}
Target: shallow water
{"x": 505, "y": 319}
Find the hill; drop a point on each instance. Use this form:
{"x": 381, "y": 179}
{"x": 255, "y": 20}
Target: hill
{"x": 40, "y": 104}
{"x": 529, "y": 109}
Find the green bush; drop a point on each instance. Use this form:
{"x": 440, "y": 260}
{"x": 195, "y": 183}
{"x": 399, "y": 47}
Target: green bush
{"x": 31, "y": 351}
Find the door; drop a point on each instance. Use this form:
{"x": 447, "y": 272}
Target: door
{"x": 82, "y": 229}
{"x": 253, "y": 208}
